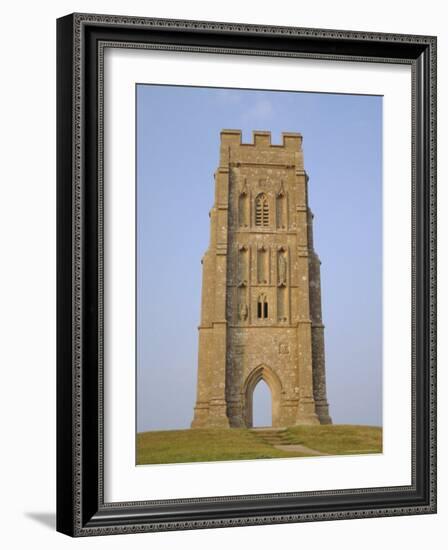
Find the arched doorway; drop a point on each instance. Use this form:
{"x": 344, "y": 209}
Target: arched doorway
{"x": 262, "y": 373}
{"x": 261, "y": 406}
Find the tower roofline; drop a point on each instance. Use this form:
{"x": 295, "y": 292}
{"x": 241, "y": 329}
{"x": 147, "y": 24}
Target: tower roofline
{"x": 290, "y": 140}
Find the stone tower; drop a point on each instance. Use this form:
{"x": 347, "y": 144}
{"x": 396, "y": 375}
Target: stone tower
{"x": 261, "y": 304}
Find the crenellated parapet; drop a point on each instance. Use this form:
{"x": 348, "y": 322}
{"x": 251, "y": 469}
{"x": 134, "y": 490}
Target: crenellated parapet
{"x": 261, "y": 151}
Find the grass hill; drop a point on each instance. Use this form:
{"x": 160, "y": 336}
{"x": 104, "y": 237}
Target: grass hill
{"x": 205, "y": 445}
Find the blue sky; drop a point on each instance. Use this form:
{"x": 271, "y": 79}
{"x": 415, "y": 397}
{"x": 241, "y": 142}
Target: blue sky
{"x": 177, "y": 153}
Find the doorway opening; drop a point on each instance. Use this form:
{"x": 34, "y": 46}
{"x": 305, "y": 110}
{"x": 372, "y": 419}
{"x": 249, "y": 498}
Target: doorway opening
{"x": 262, "y": 406}
{"x": 267, "y": 408}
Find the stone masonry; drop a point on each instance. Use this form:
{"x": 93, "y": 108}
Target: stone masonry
{"x": 261, "y": 298}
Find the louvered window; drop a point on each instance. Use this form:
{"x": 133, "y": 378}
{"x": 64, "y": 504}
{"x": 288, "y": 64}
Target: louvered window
{"x": 262, "y": 211}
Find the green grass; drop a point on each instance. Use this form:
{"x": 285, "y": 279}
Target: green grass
{"x": 205, "y": 445}
{"x": 202, "y": 445}
{"x": 338, "y": 439}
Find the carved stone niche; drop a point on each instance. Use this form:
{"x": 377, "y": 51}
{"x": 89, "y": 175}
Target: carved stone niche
{"x": 243, "y": 311}
{"x": 262, "y": 264}
{"x": 282, "y": 267}
{"x": 282, "y": 283}
{"x": 281, "y": 207}
{"x": 243, "y": 207}
{"x": 243, "y": 265}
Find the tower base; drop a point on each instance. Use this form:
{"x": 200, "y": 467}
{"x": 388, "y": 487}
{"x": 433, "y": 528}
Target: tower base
{"x": 210, "y": 415}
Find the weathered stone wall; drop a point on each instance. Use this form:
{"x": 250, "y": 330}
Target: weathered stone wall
{"x": 261, "y": 313}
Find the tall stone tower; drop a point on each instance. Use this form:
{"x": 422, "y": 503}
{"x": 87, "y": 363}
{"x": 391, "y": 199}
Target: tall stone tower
{"x": 261, "y": 303}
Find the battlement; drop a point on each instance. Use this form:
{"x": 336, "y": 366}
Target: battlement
{"x": 262, "y": 138}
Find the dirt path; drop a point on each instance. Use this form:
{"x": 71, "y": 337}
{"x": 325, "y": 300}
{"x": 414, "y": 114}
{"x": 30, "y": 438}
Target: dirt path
{"x": 278, "y": 439}
{"x": 299, "y": 449}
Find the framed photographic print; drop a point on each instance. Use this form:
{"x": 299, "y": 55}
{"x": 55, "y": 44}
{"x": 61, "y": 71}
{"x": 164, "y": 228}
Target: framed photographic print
{"x": 246, "y": 274}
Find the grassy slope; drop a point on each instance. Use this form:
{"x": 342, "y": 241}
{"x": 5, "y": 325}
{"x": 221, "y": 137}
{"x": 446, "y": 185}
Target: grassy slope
{"x": 338, "y": 439}
{"x": 204, "y": 445}
{"x": 201, "y": 445}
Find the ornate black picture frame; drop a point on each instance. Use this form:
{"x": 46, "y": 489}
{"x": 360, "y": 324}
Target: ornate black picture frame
{"x": 81, "y": 509}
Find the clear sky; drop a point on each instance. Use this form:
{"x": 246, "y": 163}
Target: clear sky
{"x": 177, "y": 153}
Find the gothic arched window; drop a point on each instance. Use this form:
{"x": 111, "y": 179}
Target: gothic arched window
{"x": 261, "y": 210}
{"x": 262, "y": 307}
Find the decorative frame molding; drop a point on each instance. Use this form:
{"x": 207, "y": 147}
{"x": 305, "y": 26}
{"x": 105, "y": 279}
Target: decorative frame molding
{"x": 81, "y": 39}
